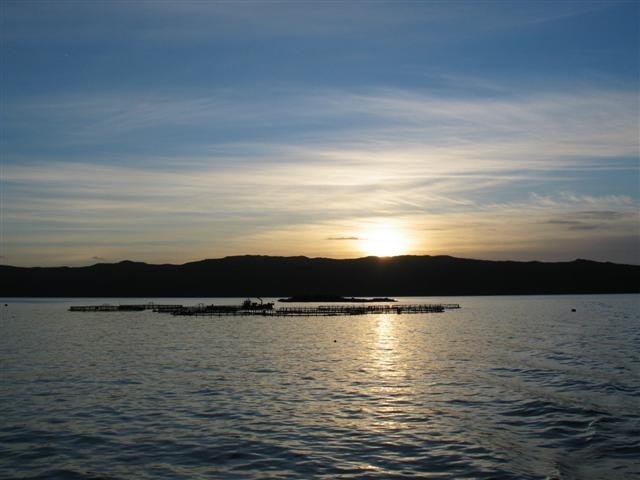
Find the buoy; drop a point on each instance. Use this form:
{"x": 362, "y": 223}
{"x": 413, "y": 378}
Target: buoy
{"x": 573, "y": 309}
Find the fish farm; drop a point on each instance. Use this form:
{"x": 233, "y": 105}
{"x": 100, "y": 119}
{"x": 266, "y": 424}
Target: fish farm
{"x": 267, "y": 309}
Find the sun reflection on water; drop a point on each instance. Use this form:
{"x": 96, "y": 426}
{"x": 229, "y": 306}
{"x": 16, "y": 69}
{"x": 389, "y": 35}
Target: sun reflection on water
{"x": 385, "y": 349}
{"x": 392, "y": 385}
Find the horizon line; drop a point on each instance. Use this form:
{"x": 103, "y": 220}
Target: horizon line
{"x": 383, "y": 258}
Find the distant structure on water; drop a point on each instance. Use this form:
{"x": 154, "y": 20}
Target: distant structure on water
{"x": 266, "y": 309}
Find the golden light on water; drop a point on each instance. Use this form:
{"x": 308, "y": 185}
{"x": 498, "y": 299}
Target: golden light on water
{"x": 385, "y": 347}
{"x": 389, "y": 370}
{"x": 384, "y": 240}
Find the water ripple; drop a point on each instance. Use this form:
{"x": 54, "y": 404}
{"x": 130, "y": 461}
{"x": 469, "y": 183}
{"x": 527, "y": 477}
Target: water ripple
{"x": 505, "y": 388}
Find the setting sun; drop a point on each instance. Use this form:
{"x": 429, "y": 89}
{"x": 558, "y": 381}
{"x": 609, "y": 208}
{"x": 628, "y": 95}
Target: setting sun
{"x": 385, "y": 241}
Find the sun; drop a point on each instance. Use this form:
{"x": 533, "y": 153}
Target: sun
{"x": 384, "y": 241}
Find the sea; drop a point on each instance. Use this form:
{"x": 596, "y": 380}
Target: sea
{"x": 511, "y": 387}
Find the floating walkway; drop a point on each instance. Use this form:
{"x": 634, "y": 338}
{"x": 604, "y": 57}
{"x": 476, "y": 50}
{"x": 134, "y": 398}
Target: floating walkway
{"x": 311, "y": 311}
{"x": 125, "y": 308}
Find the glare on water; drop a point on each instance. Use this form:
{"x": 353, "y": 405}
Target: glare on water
{"x": 505, "y": 387}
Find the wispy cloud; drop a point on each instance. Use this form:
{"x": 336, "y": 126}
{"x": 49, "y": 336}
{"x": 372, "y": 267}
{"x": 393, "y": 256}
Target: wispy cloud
{"x": 179, "y": 130}
{"x": 440, "y": 165}
{"x": 192, "y": 21}
{"x": 218, "y": 211}
{"x": 526, "y": 130}
{"x": 343, "y": 238}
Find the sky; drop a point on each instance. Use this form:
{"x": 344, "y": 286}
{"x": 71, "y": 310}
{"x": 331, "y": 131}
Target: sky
{"x": 169, "y": 132}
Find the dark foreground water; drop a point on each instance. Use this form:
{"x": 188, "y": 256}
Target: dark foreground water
{"x": 506, "y": 387}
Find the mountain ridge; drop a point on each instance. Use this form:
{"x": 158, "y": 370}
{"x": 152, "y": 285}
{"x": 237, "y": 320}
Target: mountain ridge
{"x": 263, "y": 275}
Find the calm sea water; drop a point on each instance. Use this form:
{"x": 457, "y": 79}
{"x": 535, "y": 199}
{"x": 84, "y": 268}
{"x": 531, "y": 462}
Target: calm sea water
{"x": 506, "y": 387}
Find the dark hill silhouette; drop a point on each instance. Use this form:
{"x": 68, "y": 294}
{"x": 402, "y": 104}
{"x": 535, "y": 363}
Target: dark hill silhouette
{"x": 283, "y": 276}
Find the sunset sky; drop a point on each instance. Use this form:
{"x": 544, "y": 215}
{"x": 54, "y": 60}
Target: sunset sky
{"x": 171, "y": 131}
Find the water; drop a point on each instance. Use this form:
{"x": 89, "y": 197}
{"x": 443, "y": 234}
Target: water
{"x": 506, "y": 387}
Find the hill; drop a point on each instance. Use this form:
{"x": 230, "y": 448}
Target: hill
{"x": 282, "y": 276}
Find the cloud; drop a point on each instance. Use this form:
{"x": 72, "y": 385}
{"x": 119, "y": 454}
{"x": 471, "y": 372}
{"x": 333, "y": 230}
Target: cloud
{"x": 585, "y": 226}
{"x": 600, "y": 214}
{"x": 197, "y": 21}
{"x": 440, "y": 165}
{"x": 234, "y": 210}
{"x": 548, "y": 131}
{"x": 557, "y": 221}
{"x": 574, "y": 200}
{"x": 343, "y": 238}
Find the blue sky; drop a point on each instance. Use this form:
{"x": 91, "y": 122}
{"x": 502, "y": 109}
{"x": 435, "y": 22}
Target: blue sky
{"x": 174, "y": 131}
